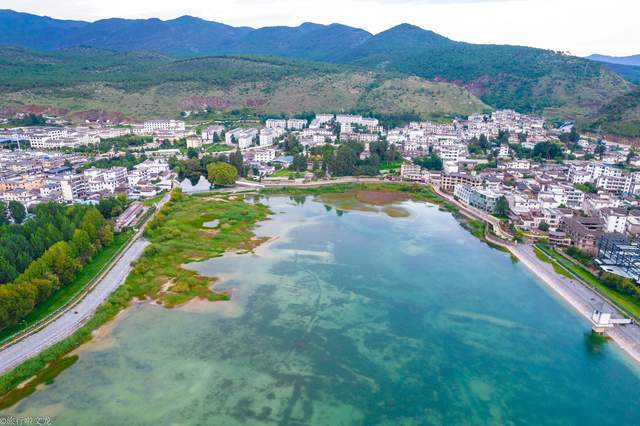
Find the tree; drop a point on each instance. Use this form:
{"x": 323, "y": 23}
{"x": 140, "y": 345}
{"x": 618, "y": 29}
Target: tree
{"x": 4, "y": 213}
{"x": 237, "y": 161}
{"x": 192, "y": 153}
{"x": 547, "y": 150}
{"x": 345, "y": 161}
{"x": 432, "y": 162}
{"x": 600, "y": 149}
{"x": 522, "y": 137}
{"x": 18, "y": 212}
{"x": 222, "y": 174}
{"x": 502, "y": 207}
{"x": 544, "y": 226}
{"x": 299, "y": 163}
{"x": 484, "y": 142}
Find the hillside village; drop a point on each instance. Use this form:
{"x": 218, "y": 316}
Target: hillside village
{"x": 544, "y": 182}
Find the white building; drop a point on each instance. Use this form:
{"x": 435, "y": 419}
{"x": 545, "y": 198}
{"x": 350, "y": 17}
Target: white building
{"x": 210, "y": 132}
{"x": 152, "y": 126}
{"x": 413, "y": 172}
{"x": 268, "y": 136}
{"x": 273, "y": 123}
{"x": 264, "y": 155}
{"x": 452, "y": 152}
{"x": 296, "y": 124}
{"x": 615, "y": 220}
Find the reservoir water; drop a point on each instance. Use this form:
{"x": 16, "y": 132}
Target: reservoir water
{"x": 352, "y": 318}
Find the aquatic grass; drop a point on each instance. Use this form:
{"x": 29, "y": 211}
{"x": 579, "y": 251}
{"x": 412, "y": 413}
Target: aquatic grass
{"x": 46, "y": 376}
{"x": 175, "y": 240}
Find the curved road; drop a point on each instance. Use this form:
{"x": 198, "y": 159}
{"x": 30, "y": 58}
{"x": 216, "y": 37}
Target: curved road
{"x": 77, "y": 314}
{"x": 74, "y": 318}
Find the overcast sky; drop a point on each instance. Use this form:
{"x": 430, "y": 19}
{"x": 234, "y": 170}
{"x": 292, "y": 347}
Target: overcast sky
{"x": 578, "y": 26}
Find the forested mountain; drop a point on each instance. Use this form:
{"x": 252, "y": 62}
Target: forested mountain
{"x": 523, "y": 78}
{"x": 633, "y": 60}
{"x": 628, "y": 72}
{"x": 142, "y": 84}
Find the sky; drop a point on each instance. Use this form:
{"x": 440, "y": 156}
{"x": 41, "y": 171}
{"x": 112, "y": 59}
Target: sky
{"x": 580, "y": 27}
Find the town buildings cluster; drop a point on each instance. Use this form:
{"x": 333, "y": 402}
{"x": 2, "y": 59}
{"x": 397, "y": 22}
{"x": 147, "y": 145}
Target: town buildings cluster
{"x": 589, "y": 197}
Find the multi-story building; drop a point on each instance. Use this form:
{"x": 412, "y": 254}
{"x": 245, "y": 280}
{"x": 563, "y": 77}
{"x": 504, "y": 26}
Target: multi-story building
{"x": 73, "y": 187}
{"x": 413, "y": 172}
{"x": 619, "y": 184}
{"x": 264, "y": 155}
{"x": 243, "y": 137}
{"x": 583, "y": 231}
{"x": 273, "y": 123}
{"x": 452, "y": 152}
{"x": 448, "y": 181}
{"x": 209, "y": 134}
{"x": 480, "y": 198}
{"x": 296, "y": 124}
{"x": 152, "y": 126}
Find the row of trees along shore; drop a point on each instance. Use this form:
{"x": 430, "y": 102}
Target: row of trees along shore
{"x": 45, "y": 253}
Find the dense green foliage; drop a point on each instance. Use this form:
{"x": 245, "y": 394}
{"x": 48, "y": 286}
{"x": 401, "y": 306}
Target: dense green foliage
{"x": 223, "y": 174}
{"x": 46, "y": 252}
{"x": 128, "y": 160}
{"x": 620, "y": 284}
{"x": 581, "y": 256}
{"x": 548, "y": 151}
{"x": 344, "y": 159}
{"x": 432, "y": 162}
{"x": 121, "y": 143}
{"x": 29, "y": 120}
{"x": 620, "y": 116}
{"x": 17, "y": 211}
{"x": 586, "y": 187}
{"x": 111, "y": 207}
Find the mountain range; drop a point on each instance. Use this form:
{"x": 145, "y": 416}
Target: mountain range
{"x": 502, "y": 76}
{"x": 633, "y": 60}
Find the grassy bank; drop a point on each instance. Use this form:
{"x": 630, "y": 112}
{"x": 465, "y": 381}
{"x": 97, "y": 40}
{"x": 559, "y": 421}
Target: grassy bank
{"x": 624, "y": 302}
{"x": 177, "y": 237}
{"x": 68, "y": 292}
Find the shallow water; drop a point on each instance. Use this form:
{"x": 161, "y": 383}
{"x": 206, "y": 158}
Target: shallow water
{"x": 353, "y": 318}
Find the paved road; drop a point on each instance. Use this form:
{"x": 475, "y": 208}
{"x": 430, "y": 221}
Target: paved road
{"x": 76, "y": 315}
{"x": 73, "y": 319}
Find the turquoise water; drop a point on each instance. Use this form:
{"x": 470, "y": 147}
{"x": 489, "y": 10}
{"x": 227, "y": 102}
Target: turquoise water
{"x": 352, "y": 318}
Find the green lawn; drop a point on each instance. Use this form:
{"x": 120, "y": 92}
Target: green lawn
{"x": 66, "y": 293}
{"x": 391, "y": 165}
{"x": 155, "y": 199}
{"x": 288, "y": 173}
{"x": 217, "y": 147}
{"x": 626, "y": 303}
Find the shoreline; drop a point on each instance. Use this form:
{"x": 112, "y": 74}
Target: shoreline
{"x": 580, "y": 298}
{"x": 628, "y": 341}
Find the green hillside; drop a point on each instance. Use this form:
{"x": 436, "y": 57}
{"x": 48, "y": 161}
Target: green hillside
{"x": 621, "y": 116}
{"x": 522, "y": 78}
{"x": 144, "y": 84}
